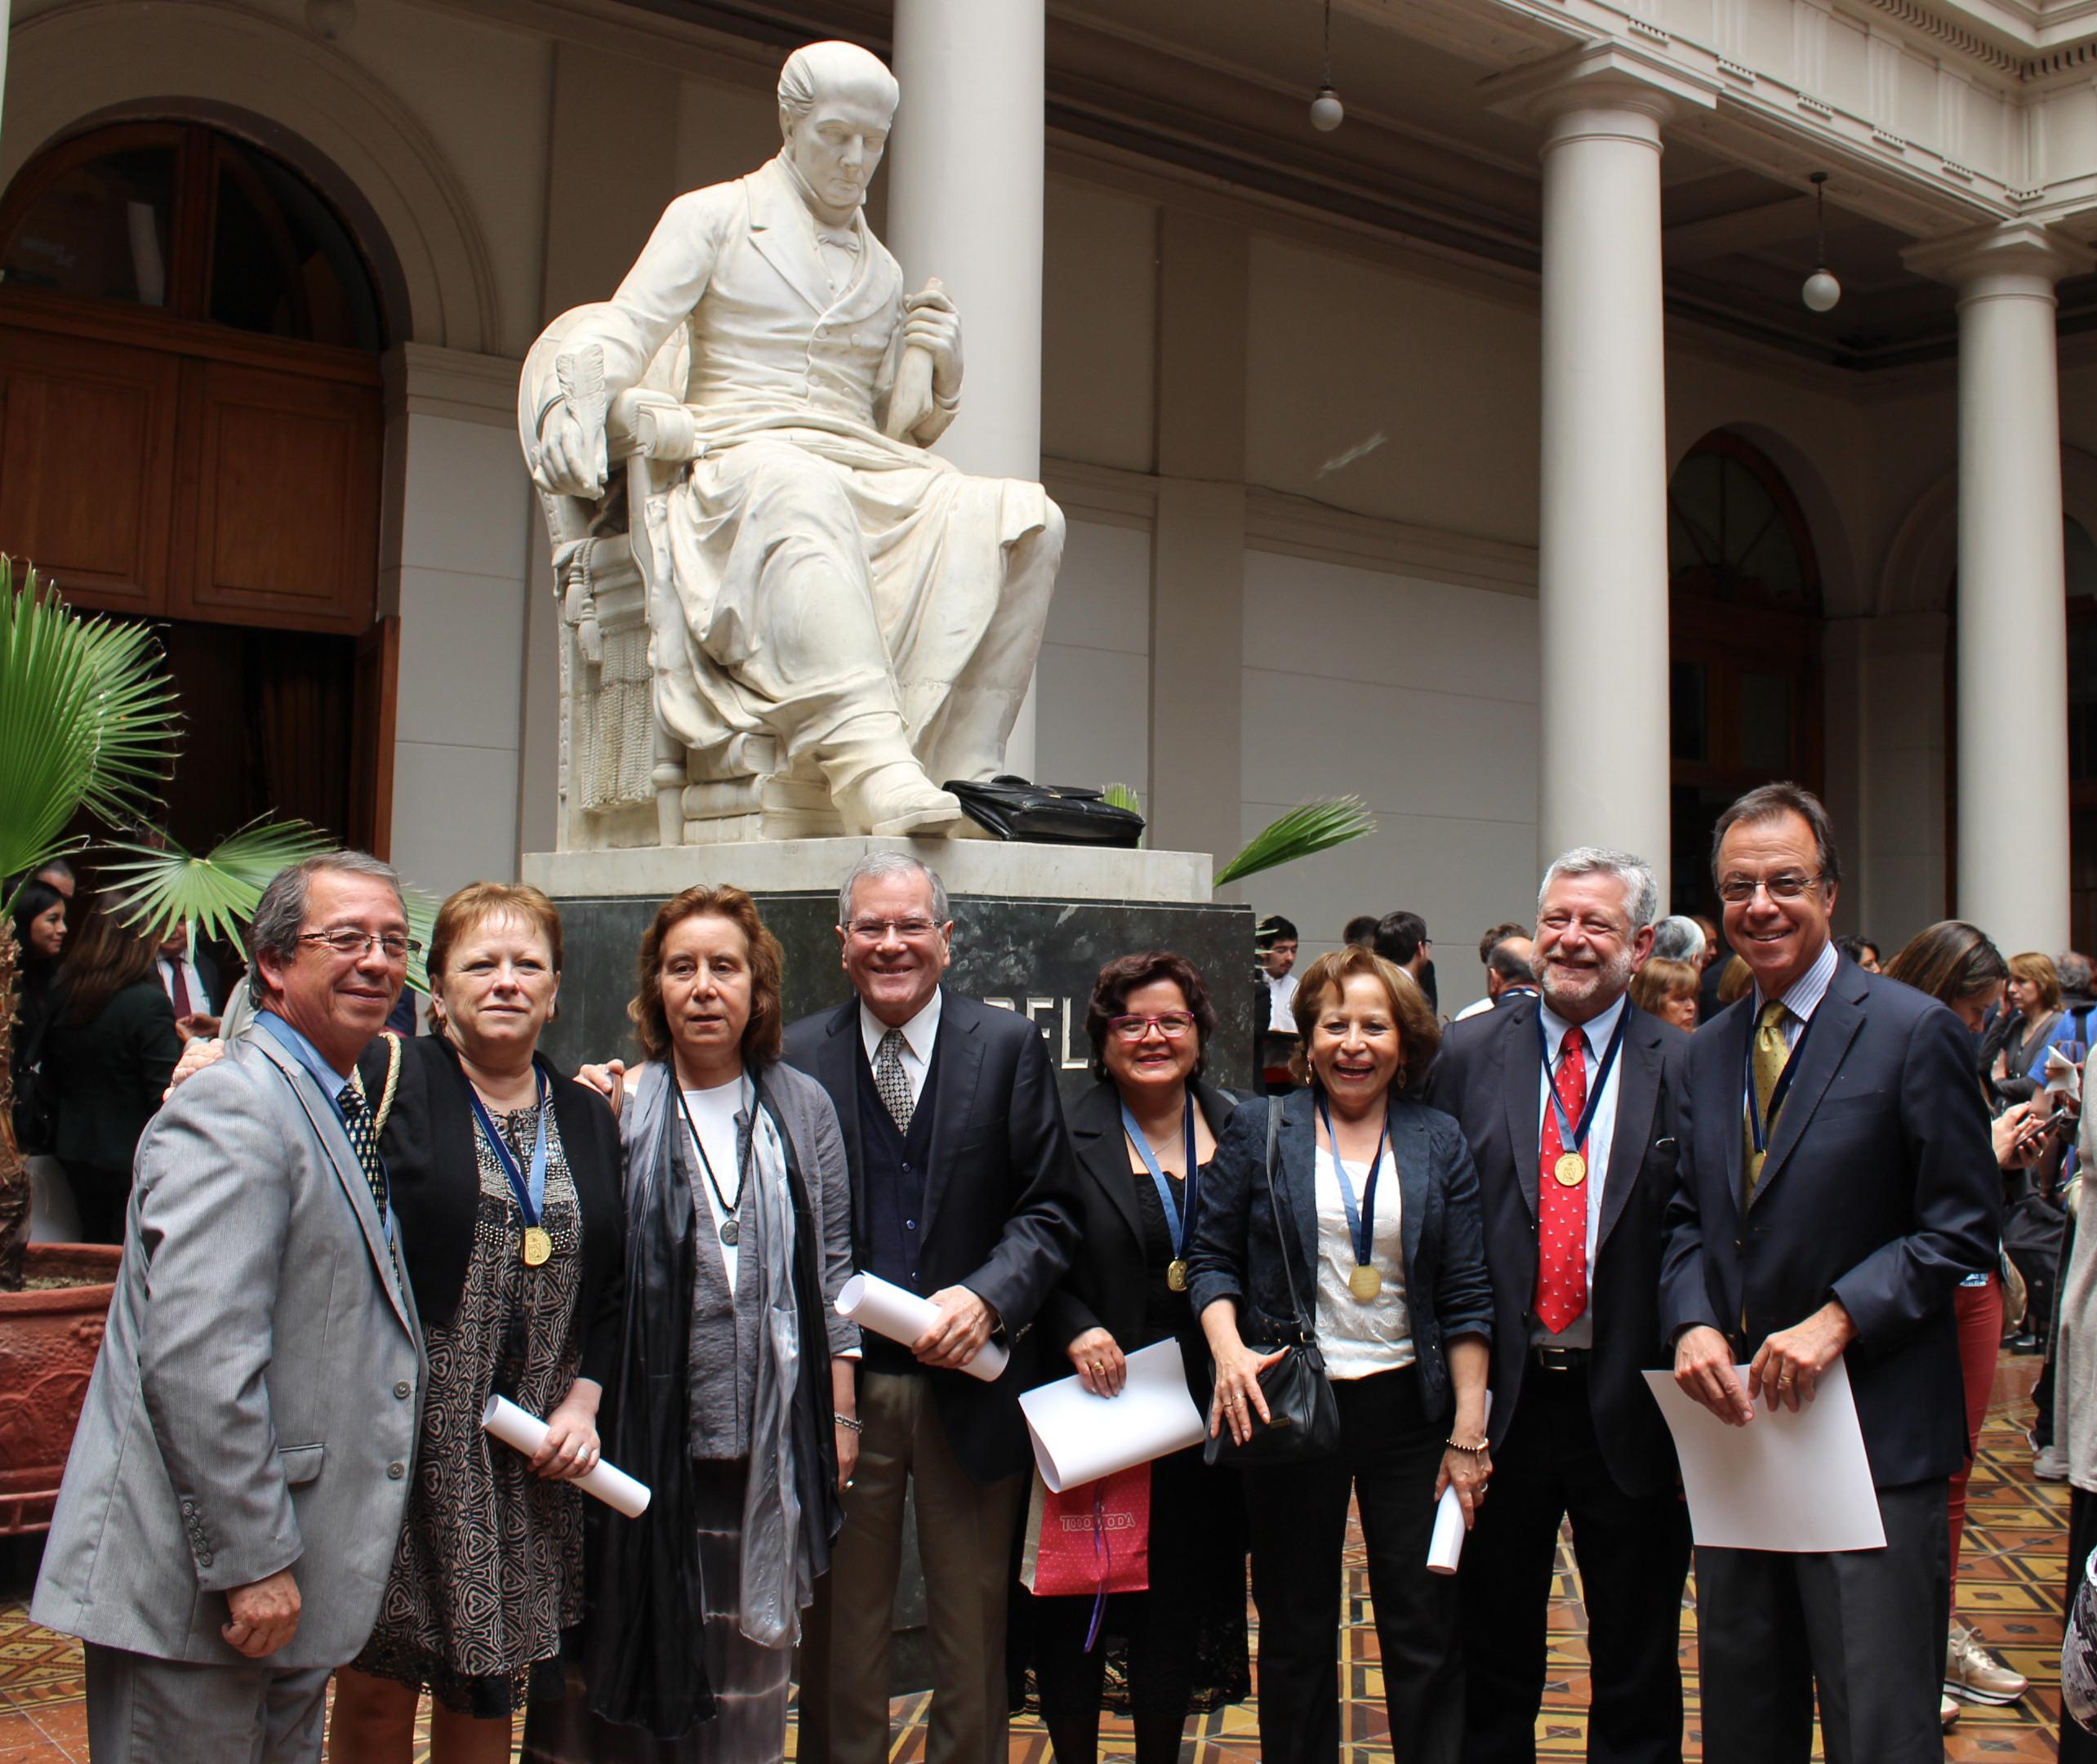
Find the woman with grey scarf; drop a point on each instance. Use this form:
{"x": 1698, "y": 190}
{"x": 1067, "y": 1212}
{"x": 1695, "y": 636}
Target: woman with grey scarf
{"x": 734, "y": 1398}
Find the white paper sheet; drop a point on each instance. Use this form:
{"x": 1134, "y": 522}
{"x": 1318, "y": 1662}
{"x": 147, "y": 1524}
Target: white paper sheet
{"x": 887, "y": 1309}
{"x": 2063, "y": 1077}
{"x": 1445, "y": 1546}
{"x": 1079, "y": 1437}
{"x": 619, "y": 1491}
{"x": 1785, "y": 1481}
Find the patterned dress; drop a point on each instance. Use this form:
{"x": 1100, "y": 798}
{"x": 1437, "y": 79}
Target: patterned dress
{"x": 488, "y": 1570}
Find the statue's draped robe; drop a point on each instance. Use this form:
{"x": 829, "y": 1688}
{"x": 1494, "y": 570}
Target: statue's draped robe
{"x": 827, "y": 574}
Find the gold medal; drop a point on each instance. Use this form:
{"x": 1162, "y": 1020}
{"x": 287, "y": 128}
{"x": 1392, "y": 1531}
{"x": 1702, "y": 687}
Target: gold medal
{"x": 1364, "y": 1283}
{"x": 1176, "y": 1275}
{"x": 1571, "y": 1170}
{"x": 538, "y": 1244}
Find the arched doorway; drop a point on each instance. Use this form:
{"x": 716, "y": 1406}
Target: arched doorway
{"x": 190, "y": 425}
{"x": 1743, "y": 646}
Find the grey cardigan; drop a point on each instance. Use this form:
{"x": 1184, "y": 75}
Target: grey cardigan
{"x": 720, "y": 1407}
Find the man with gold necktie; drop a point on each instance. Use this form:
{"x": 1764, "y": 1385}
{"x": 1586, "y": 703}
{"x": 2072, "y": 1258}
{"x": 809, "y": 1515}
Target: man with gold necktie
{"x": 1836, "y": 1185}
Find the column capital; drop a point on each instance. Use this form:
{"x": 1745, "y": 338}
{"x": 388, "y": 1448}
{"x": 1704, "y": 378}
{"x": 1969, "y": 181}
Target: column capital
{"x": 1599, "y": 78}
{"x": 2024, "y": 249}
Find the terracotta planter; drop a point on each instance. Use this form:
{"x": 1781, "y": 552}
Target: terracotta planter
{"x": 48, "y": 1341}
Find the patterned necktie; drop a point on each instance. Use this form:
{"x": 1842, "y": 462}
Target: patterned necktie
{"x": 364, "y": 1142}
{"x": 1561, "y": 1273}
{"x": 893, "y": 1081}
{"x": 1771, "y": 1054}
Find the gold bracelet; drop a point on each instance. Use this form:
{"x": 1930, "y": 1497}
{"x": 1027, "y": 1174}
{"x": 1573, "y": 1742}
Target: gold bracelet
{"x": 1478, "y": 1450}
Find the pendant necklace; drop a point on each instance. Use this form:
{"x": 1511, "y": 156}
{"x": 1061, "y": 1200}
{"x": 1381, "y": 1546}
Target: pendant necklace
{"x": 730, "y": 1208}
{"x": 529, "y": 1189}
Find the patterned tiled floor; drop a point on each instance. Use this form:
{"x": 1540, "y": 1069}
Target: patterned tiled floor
{"x": 2009, "y": 1590}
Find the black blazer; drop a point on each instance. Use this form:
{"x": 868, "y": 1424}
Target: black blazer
{"x": 1000, "y": 1215}
{"x": 1236, "y": 1255}
{"x": 1487, "y": 1076}
{"x": 1108, "y": 1281}
{"x": 1879, "y": 1189}
{"x": 427, "y": 1145}
{"x": 106, "y": 1075}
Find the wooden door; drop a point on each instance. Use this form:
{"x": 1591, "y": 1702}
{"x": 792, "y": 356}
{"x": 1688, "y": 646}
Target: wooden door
{"x": 87, "y": 442}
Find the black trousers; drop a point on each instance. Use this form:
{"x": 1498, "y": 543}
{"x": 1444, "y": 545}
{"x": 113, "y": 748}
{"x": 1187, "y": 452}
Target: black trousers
{"x": 102, "y": 1197}
{"x": 1634, "y": 1557}
{"x": 1296, "y": 1514}
{"x": 1867, "y": 1626}
{"x": 2077, "y": 1745}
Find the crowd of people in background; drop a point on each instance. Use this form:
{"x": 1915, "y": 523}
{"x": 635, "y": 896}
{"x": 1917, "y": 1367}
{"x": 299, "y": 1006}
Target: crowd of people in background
{"x": 1444, "y": 1247}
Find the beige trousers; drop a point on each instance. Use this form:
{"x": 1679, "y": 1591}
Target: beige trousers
{"x": 964, "y": 1540}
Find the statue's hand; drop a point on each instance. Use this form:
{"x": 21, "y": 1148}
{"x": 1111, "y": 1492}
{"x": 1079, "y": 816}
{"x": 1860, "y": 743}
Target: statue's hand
{"x": 931, "y": 324}
{"x": 572, "y": 455}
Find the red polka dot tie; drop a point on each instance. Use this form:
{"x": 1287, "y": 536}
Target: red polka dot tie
{"x": 1561, "y": 1272}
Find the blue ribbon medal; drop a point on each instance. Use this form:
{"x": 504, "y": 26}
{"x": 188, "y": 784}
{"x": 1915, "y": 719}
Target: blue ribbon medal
{"x": 1366, "y": 1281}
{"x": 1182, "y": 1228}
{"x": 1571, "y": 1169}
{"x": 531, "y": 1191}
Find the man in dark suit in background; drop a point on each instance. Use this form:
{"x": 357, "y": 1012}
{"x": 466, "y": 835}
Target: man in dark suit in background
{"x": 1573, "y": 1195}
{"x": 191, "y": 979}
{"x": 1837, "y": 1184}
{"x": 1402, "y": 937}
{"x": 962, "y": 1191}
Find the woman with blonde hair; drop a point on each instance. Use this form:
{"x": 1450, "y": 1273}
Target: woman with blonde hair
{"x": 1667, "y": 990}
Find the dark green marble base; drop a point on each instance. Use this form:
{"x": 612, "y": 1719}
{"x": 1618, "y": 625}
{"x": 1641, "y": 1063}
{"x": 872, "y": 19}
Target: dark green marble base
{"x": 1039, "y": 956}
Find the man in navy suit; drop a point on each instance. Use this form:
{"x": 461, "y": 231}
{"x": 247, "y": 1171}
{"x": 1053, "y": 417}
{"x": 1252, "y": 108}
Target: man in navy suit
{"x": 963, "y": 1192}
{"x": 1573, "y": 1195}
{"x": 1836, "y": 1185}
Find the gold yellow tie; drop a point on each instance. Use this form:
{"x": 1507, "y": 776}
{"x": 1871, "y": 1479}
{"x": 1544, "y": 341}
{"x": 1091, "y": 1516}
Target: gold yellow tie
{"x": 1770, "y": 1056}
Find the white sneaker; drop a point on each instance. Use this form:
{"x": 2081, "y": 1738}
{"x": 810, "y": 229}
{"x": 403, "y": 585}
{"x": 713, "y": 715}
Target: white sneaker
{"x": 2050, "y": 1464}
{"x": 1971, "y": 1672}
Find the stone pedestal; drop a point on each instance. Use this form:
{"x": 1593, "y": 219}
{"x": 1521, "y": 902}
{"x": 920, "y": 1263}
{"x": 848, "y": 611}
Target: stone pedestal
{"x": 1032, "y": 925}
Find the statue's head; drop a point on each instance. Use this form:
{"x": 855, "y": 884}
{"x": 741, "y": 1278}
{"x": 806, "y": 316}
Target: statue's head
{"x": 835, "y": 103}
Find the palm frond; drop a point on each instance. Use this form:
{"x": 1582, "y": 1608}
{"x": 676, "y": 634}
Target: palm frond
{"x": 421, "y": 924}
{"x": 1121, "y": 796}
{"x": 88, "y": 719}
{"x": 1312, "y": 826}
{"x": 163, "y": 885}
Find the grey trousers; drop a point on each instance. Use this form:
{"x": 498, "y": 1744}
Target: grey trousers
{"x": 1866, "y": 1627}
{"x": 964, "y": 1539}
{"x": 141, "y": 1710}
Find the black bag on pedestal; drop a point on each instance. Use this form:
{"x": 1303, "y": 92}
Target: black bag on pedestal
{"x": 1047, "y": 814}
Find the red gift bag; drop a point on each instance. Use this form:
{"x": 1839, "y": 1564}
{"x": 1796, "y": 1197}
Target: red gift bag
{"x": 1094, "y": 1539}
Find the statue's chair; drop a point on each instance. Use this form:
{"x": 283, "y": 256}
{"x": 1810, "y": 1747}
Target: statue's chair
{"x": 618, "y": 757}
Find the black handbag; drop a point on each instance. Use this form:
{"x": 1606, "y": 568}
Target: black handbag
{"x": 1047, "y": 814}
{"x": 1305, "y": 1416}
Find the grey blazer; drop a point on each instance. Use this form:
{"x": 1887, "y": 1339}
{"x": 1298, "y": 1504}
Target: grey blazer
{"x": 256, "y": 1402}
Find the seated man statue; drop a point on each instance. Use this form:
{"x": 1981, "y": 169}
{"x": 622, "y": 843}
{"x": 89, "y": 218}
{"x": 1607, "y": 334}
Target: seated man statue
{"x": 816, "y": 576}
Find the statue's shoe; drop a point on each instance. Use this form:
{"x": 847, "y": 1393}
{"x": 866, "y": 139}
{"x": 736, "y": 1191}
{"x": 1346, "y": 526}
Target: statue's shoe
{"x": 898, "y": 801}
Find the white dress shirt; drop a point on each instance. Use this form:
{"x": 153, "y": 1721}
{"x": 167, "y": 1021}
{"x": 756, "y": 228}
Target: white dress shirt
{"x": 1282, "y": 1004}
{"x": 200, "y": 995}
{"x": 1802, "y": 998}
{"x": 920, "y": 1033}
{"x": 1595, "y": 1034}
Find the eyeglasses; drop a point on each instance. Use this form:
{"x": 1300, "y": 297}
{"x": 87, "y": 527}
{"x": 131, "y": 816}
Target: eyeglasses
{"x": 345, "y": 942}
{"x": 1737, "y": 890}
{"x": 1173, "y": 1025}
{"x": 877, "y": 930}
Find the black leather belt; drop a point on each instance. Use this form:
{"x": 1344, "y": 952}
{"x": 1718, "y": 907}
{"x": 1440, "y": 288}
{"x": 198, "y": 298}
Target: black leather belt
{"x": 1562, "y": 1359}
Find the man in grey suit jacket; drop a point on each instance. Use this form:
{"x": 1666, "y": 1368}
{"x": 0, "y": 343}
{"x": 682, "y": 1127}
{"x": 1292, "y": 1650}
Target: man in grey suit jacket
{"x": 237, "y": 1482}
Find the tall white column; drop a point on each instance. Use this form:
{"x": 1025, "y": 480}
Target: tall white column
{"x": 965, "y": 176}
{"x": 2012, "y": 628}
{"x": 1602, "y": 519}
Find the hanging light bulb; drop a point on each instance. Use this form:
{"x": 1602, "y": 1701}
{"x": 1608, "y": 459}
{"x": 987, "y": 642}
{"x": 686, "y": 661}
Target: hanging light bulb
{"x": 1327, "y": 112}
{"x": 1822, "y": 290}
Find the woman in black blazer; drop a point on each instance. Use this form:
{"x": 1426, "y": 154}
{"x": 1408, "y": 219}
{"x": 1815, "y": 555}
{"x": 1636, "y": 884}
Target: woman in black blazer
{"x": 516, "y": 1260}
{"x": 1183, "y": 1643}
{"x": 1378, "y": 1205}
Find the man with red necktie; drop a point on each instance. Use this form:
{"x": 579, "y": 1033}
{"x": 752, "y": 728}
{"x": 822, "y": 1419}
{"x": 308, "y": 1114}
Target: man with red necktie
{"x": 1571, "y": 1103}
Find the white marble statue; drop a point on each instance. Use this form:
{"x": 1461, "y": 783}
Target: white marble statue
{"x": 791, "y": 619}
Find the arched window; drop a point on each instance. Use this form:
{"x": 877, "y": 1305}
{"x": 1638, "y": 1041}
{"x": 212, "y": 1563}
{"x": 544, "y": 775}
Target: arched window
{"x": 1744, "y": 645}
{"x": 195, "y": 222}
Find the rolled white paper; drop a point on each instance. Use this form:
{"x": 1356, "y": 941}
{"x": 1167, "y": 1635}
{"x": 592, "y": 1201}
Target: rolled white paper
{"x": 885, "y": 1308}
{"x": 527, "y": 1433}
{"x": 1079, "y": 1437}
{"x": 1445, "y": 1547}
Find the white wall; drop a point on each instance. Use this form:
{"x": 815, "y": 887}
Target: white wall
{"x": 1420, "y": 697}
{"x": 1094, "y": 675}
